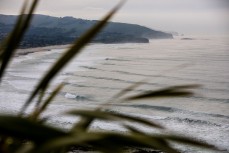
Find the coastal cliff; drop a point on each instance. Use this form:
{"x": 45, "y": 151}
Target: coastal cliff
{"x": 47, "y": 30}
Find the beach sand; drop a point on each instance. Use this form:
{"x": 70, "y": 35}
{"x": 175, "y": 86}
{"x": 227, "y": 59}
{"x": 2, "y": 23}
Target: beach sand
{"x": 40, "y": 49}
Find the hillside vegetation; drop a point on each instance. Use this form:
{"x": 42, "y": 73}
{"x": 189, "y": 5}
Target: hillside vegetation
{"x": 48, "y": 30}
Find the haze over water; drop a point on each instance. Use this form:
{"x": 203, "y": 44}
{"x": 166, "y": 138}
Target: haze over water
{"x": 103, "y": 70}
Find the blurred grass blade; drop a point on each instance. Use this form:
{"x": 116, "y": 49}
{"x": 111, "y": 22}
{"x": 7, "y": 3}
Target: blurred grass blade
{"x": 175, "y": 91}
{"x": 79, "y": 139}
{"x": 74, "y": 50}
{"x": 121, "y": 93}
{"x": 92, "y": 114}
{"x": 39, "y": 110}
{"x": 23, "y": 128}
{"x": 116, "y": 140}
{"x": 16, "y": 36}
{"x": 25, "y": 148}
{"x": 130, "y": 88}
{"x": 133, "y": 130}
{"x": 96, "y": 114}
{"x": 9, "y": 39}
{"x": 107, "y": 141}
{"x": 82, "y": 125}
{"x": 187, "y": 141}
{"x": 159, "y": 142}
{"x": 87, "y": 118}
{"x": 40, "y": 97}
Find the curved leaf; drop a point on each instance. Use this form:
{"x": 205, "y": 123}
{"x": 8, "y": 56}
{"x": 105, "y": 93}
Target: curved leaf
{"x": 97, "y": 114}
{"x": 24, "y": 128}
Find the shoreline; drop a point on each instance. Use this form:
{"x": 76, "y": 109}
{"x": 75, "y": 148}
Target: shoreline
{"x": 26, "y": 51}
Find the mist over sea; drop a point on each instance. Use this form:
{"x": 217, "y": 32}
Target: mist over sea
{"x": 102, "y": 70}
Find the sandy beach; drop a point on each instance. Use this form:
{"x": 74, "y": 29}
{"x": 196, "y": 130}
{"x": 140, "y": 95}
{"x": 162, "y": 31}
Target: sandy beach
{"x": 40, "y": 49}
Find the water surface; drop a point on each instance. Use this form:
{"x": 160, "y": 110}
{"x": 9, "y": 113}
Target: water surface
{"x": 103, "y": 70}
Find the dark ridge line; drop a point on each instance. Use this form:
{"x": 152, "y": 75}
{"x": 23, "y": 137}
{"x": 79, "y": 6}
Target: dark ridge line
{"x": 155, "y": 84}
{"x": 219, "y": 90}
{"x": 17, "y": 77}
{"x": 132, "y": 82}
{"x": 172, "y": 110}
{"x": 107, "y": 64}
{"x": 113, "y": 79}
{"x": 116, "y": 59}
{"x": 169, "y": 77}
{"x": 212, "y": 99}
{"x": 130, "y": 73}
{"x": 146, "y": 59}
{"x": 196, "y": 79}
{"x": 144, "y": 106}
{"x": 32, "y": 61}
{"x": 103, "y": 78}
{"x": 111, "y": 64}
{"x": 88, "y": 67}
{"x": 192, "y": 121}
{"x": 121, "y": 65}
{"x": 83, "y": 86}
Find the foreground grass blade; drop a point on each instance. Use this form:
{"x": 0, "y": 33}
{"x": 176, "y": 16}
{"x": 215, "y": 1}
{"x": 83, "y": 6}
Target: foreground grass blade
{"x": 160, "y": 142}
{"x": 128, "y": 89}
{"x": 175, "y": 138}
{"x": 112, "y": 116}
{"x": 9, "y": 39}
{"x": 16, "y": 36}
{"x": 74, "y": 50}
{"x": 106, "y": 141}
{"x": 42, "y": 108}
{"x": 186, "y": 141}
{"x": 175, "y": 91}
{"x": 26, "y": 129}
{"x": 86, "y": 121}
{"x": 79, "y": 139}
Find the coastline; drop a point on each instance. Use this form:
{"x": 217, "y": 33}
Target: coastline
{"x": 26, "y": 51}
{"x": 20, "y": 52}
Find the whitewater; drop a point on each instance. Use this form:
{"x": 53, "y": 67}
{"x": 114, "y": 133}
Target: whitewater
{"x": 102, "y": 70}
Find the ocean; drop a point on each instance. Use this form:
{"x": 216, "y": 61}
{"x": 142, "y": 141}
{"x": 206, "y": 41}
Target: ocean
{"x": 102, "y": 70}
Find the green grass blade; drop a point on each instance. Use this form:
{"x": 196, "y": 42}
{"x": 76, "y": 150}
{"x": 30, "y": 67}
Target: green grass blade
{"x": 65, "y": 141}
{"x": 16, "y": 36}
{"x": 160, "y": 142}
{"x": 82, "y": 125}
{"x": 187, "y": 141}
{"x": 14, "y": 32}
{"x": 96, "y": 114}
{"x": 116, "y": 140}
{"x": 128, "y": 89}
{"x": 175, "y": 91}
{"x": 74, "y": 50}
{"x": 106, "y": 141}
{"x": 27, "y": 129}
{"x": 38, "y": 111}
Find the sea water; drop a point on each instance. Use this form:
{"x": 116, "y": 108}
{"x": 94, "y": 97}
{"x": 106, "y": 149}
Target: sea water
{"x": 102, "y": 70}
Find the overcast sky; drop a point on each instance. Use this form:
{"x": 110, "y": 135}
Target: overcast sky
{"x": 183, "y": 16}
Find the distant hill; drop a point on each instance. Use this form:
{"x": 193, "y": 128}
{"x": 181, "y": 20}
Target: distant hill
{"x": 47, "y": 30}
